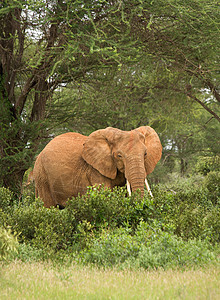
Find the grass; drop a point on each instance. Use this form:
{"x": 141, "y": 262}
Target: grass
{"x": 20, "y": 280}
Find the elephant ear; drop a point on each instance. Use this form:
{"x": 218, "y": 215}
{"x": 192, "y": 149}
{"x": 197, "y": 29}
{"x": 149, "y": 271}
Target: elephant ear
{"x": 154, "y": 147}
{"x": 97, "y": 152}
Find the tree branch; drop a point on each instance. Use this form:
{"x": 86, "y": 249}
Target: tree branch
{"x": 189, "y": 94}
{"x": 213, "y": 90}
{"x": 203, "y": 105}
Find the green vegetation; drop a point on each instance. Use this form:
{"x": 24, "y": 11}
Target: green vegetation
{"x": 107, "y": 228}
{"x": 105, "y": 243}
{"x": 8, "y": 243}
{"x": 43, "y": 281}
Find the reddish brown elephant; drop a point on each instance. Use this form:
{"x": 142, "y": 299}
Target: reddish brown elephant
{"x": 71, "y": 162}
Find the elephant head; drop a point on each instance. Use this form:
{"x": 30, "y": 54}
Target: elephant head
{"x": 134, "y": 153}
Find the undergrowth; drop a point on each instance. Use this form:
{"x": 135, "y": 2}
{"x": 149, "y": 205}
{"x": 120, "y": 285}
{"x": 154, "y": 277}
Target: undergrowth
{"x": 108, "y": 228}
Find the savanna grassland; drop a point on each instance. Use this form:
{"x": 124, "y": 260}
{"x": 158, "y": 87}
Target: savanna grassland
{"x": 21, "y": 280}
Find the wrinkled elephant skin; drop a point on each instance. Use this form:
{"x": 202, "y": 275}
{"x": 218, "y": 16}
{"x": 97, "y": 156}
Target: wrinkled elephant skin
{"x": 71, "y": 162}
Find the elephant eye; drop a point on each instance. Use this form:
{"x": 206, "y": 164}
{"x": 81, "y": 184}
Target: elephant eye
{"x": 119, "y": 155}
{"x": 145, "y": 154}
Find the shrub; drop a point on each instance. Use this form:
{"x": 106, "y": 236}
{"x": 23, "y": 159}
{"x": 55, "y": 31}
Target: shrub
{"x": 6, "y": 198}
{"x": 212, "y": 183}
{"x": 192, "y": 214}
{"x": 111, "y": 248}
{"x": 147, "y": 248}
{"x": 100, "y": 206}
{"x": 208, "y": 164}
{"x": 162, "y": 249}
{"x": 187, "y": 214}
{"x": 28, "y": 253}
{"x": 8, "y": 243}
{"x": 177, "y": 183}
{"x": 55, "y": 232}
{"x": 25, "y": 218}
{"x": 171, "y": 251}
{"x": 50, "y": 229}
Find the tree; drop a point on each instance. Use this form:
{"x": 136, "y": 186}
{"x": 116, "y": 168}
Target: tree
{"x": 43, "y": 46}
{"x": 182, "y": 38}
{"x": 169, "y": 49}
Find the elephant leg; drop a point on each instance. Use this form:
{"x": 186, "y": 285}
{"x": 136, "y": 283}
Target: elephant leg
{"x": 45, "y": 194}
{"x": 36, "y": 192}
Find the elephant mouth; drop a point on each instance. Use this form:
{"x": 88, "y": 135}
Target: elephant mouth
{"x": 147, "y": 186}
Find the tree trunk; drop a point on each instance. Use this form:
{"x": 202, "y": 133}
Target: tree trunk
{"x": 183, "y": 166}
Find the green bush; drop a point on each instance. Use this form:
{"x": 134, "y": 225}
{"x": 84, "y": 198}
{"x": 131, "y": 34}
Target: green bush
{"x": 192, "y": 214}
{"x": 170, "y": 251}
{"x": 56, "y": 232}
{"x": 147, "y": 248}
{"x": 6, "y": 199}
{"x": 100, "y": 206}
{"x": 8, "y": 243}
{"x": 177, "y": 183}
{"x": 50, "y": 229}
{"x": 162, "y": 249}
{"x": 212, "y": 183}
{"x": 88, "y": 219}
{"x": 25, "y": 218}
{"x": 111, "y": 248}
{"x": 208, "y": 164}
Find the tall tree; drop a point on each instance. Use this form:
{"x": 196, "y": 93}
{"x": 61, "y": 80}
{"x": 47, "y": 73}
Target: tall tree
{"x": 182, "y": 38}
{"x": 45, "y": 47}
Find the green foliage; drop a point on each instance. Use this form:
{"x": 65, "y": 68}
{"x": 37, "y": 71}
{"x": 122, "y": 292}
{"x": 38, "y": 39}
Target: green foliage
{"x": 193, "y": 213}
{"x": 147, "y": 248}
{"x": 207, "y": 164}
{"x": 50, "y": 229}
{"x": 108, "y": 228}
{"x": 212, "y": 182}
{"x": 8, "y": 243}
{"x": 174, "y": 183}
{"x": 26, "y": 252}
{"x": 170, "y": 251}
{"x": 6, "y": 198}
{"x": 101, "y": 206}
{"x": 16, "y": 145}
{"x": 111, "y": 248}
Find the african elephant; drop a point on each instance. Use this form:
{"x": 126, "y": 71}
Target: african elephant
{"x": 71, "y": 162}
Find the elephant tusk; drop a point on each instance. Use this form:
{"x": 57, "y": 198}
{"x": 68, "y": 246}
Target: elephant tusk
{"x": 129, "y": 188}
{"x": 148, "y": 187}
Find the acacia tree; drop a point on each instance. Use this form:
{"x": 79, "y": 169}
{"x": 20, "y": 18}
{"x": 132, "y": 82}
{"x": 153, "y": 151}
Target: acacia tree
{"x": 182, "y": 38}
{"x": 176, "y": 56}
{"x": 43, "y": 46}
{"x": 31, "y": 40}
{"x": 175, "y": 73}
{"x": 47, "y": 46}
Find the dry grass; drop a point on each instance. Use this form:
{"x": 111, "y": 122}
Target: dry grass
{"x": 41, "y": 281}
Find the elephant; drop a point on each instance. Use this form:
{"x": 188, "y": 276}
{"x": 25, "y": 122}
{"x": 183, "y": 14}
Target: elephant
{"x": 71, "y": 162}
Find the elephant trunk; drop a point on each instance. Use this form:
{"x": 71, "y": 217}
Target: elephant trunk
{"x": 135, "y": 175}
